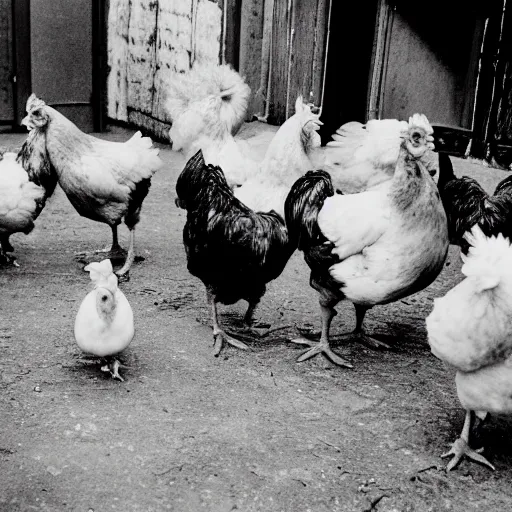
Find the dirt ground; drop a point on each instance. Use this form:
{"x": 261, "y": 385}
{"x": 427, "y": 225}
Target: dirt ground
{"x": 248, "y": 431}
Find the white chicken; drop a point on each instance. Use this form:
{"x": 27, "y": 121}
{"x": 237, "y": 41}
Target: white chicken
{"x": 363, "y": 156}
{"x": 104, "y": 323}
{"x": 374, "y": 247}
{"x": 104, "y": 181}
{"x": 26, "y": 182}
{"x": 470, "y": 329}
{"x": 207, "y": 117}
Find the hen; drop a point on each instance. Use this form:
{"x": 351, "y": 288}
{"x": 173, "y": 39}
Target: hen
{"x": 207, "y": 117}
{"x": 470, "y": 328}
{"x": 26, "y": 182}
{"x": 466, "y": 203}
{"x": 104, "y": 322}
{"x": 371, "y": 248}
{"x": 234, "y": 251}
{"x": 362, "y": 156}
{"x": 105, "y": 181}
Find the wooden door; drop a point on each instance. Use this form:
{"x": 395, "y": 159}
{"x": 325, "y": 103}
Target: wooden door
{"x": 6, "y": 63}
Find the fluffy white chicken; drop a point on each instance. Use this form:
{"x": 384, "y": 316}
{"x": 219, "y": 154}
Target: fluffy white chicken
{"x": 104, "y": 323}
{"x": 470, "y": 329}
{"x": 363, "y": 156}
{"x": 374, "y": 247}
{"x": 208, "y": 105}
{"x": 104, "y": 181}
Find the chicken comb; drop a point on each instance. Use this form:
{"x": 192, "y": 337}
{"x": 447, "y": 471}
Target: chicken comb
{"x": 420, "y": 121}
{"x": 34, "y": 102}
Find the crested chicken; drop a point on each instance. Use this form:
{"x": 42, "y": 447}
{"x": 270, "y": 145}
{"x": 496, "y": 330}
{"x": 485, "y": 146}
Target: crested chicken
{"x": 104, "y": 322}
{"x": 104, "y": 181}
{"x": 26, "y": 182}
{"x": 207, "y": 107}
{"x": 233, "y": 250}
{"x": 363, "y": 156}
{"x": 470, "y": 329}
{"x": 370, "y": 248}
{"x": 466, "y": 203}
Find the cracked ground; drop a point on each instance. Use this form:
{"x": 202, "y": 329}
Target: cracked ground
{"x": 248, "y": 431}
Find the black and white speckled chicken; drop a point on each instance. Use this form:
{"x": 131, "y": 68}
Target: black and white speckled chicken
{"x": 27, "y": 180}
{"x": 370, "y": 248}
{"x": 105, "y": 181}
{"x": 233, "y": 250}
{"x": 466, "y": 203}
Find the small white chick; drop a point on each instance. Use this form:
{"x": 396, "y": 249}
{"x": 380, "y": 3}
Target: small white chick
{"x": 104, "y": 323}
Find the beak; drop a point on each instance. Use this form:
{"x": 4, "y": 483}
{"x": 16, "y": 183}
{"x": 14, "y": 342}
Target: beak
{"x": 26, "y": 122}
{"x": 179, "y": 203}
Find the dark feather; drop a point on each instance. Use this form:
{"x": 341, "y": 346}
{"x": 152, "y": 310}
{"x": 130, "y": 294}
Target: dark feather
{"x": 233, "y": 250}
{"x": 303, "y": 204}
{"x": 466, "y": 203}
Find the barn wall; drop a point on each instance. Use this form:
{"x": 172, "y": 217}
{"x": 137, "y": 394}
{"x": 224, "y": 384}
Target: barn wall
{"x": 149, "y": 42}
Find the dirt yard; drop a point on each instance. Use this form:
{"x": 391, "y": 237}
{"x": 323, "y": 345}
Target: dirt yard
{"x": 248, "y": 431}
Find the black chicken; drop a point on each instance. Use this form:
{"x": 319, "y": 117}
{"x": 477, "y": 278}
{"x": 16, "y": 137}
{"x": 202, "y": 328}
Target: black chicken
{"x": 233, "y": 250}
{"x": 466, "y": 203}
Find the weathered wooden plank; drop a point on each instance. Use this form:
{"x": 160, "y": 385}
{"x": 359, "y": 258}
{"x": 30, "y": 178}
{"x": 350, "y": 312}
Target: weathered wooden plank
{"x": 6, "y": 62}
{"x": 22, "y": 58}
{"x": 279, "y": 62}
{"x": 251, "y": 50}
{"x": 309, "y": 29}
{"x": 231, "y": 19}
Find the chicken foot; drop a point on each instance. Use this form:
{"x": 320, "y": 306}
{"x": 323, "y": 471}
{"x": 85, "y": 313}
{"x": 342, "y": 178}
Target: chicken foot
{"x": 461, "y": 448}
{"x": 323, "y": 346}
{"x": 113, "y": 366}
{"x": 5, "y": 247}
{"x": 115, "y": 253}
{"x": 219, "y": 336}
{"x": 360, "y": 334}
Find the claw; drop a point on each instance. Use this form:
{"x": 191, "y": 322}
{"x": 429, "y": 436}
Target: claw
{"x": 460, "y": 449}
{"x": 220, "y": 337}
{"x": 319, "y": 348}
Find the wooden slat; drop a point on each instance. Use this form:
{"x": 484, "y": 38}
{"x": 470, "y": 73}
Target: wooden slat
{"x": 99, "y": 63}
{"x": 231, "y": 31}
{"x": 22, "y": 62}
{"x": 277, "y": 95}
{"x": 6, "y": 62}
{"x": 251, "y": 50}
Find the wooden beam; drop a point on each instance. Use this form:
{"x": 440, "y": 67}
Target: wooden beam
{"x": 232, "y": 10}
{"x": 99, "y": 63}
{"x": 279, "y": 61}
{"x": 22, "y": 54}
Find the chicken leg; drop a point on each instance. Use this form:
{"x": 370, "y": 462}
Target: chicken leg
{"x": 115, "y": 253}
{"x": 322, "y": 347}
{"x": 130, "y": 257}
{"x": 219, "y": 336}
{"x": 360, "y": 334}
{"x": 461, "y": 447}
{"x": 113, "y": 366}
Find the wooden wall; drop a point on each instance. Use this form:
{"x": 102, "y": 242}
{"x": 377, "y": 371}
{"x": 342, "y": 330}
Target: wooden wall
{"x": 148, "y": 43}
{"x": 6, "y": 62}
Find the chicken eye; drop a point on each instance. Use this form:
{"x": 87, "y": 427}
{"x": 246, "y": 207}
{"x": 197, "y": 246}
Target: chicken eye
{"x": 36, "y": 113}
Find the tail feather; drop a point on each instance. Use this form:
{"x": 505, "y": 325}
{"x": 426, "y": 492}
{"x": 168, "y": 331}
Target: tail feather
{"x": 489, "y": 259}
{"x": 302, "y": 206}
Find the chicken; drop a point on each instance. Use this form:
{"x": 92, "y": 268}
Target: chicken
{"x": 371, "y": 248}
{"x": 207, "y": 118}
{"x": 466, "y": 203}
{"x": 363, "y": 156}
{"x": 207, "y": 107}
{"x": 234, "y": 251}
{"x": 470, "y": 329}
{"x": 104, "y": 181}
{"x": 27, "y": 180}
{"x": 104, "y": 322}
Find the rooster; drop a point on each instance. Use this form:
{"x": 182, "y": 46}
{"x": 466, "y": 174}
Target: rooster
{"x": 233, "y": 250}
{"x": 470, "y": 329}
{"x": 371, "y": 248}
{"x": 363, "y": 156}
{"x": 466, "y": 204}
{"x": 207, "y": 117}
{"x": 27, "y": 180}
{"x": 104, "y": 181}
